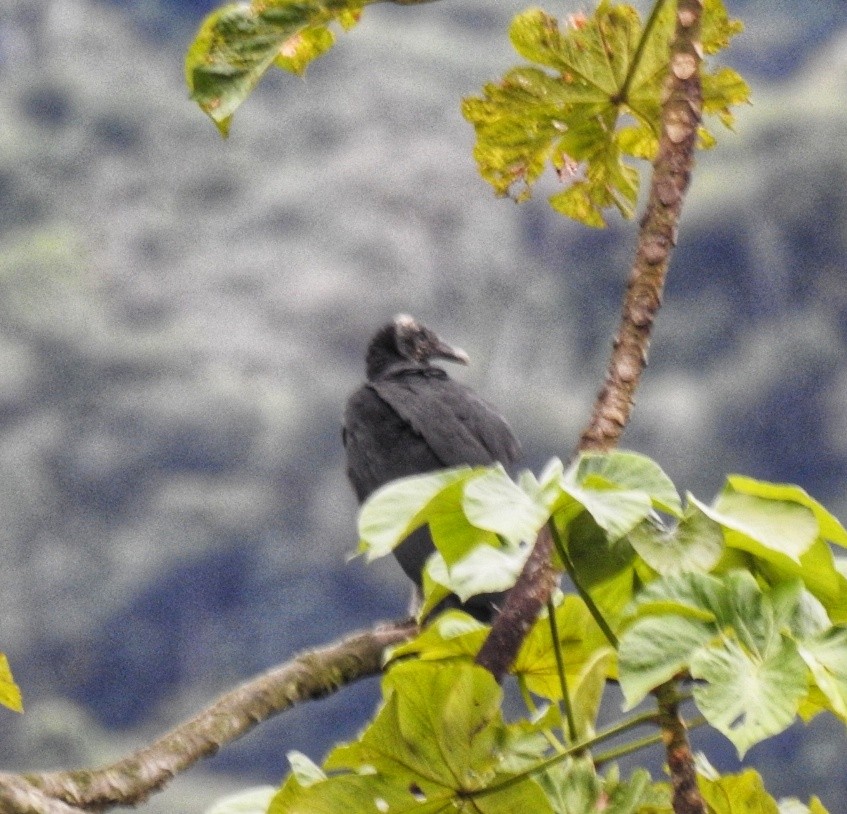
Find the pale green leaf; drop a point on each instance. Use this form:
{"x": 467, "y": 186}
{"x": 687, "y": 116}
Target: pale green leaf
{"x": 654, "y": 649}
{"x": 766, "y": 527}
{"x": 826, "y": 656}
{"x": 625, "y": 470}
{"x": 829, "y": 527}
{"x": 749, "y": 696}
{"x": 616, "y": 511}
{"x": 495, "y": 503}
{"x": 694, "y": 544}
{"x": 249, "y": 801}
{"x": 484, "y": 569}
{"x": 304, "y": 768}
{"x": 392, "y": 512}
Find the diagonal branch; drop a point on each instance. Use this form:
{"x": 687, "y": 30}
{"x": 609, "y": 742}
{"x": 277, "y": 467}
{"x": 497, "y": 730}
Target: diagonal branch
{"x": 132, "y": 779}
{"x": 681, "y": 114}
{"x": 671, "y": 173}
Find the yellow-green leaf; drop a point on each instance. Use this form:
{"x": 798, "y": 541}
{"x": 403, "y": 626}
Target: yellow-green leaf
{"x": 10, "y": 693}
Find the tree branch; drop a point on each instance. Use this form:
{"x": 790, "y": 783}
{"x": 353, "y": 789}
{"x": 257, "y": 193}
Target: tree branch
{"x": 681, "y": 111}
{"x": 132, "y": 779}
{"x": 686, "y": 793}
{"x": 681, "y": 114}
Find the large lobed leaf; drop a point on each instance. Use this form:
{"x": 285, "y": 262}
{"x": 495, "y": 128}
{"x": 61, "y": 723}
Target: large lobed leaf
{"x": 594, "y": 102}
{"x": 433, "y": 746}
{"x": 757, "y": 654}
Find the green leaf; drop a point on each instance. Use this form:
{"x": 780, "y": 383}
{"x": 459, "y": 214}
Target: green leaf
{"x": 301, "y": 49}
{"x": 495, "y": 503}
{"x": 582, "y": 644}
{"x": 694, "y": 544}
{"x": 10, "y": 693}
{"x": 453, "y": 634}
{"x": 722, "y": 91}
{"x": 394, "y": 511}
{"x": 594, "y": 557}
{"x": 237, "y": 44}
{"x": 717, "y": 28}
{"x": 817, "y": 571}
{"x": 580, "y": 202}
{"x": 749, "y": 695}
{"x": 753, "y": 676}
{"x": 595, "y": 55}
{"x": 572, "y": 786}
{"x": 574, "y": 113}
{"x": 627, "y": 797}
{"x": 826, "y": 656}
{"x": 434, "y": 744}
{"x": 765, "y": 525}
{"x": 742, "y": 793}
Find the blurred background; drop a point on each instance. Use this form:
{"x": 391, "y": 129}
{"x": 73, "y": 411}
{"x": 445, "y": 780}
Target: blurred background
{"x": 181, "y": 319}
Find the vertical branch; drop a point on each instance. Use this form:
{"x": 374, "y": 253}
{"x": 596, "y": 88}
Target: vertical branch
{"x": 686, "y": 793}
{"x": 681, "y": 113}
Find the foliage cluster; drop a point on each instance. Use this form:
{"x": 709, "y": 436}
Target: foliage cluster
{"x": 742, "y": 599}
{"x": 738, "y": 606}
{"x": 588, "y": 103}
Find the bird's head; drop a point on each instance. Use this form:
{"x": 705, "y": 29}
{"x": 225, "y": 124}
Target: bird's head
{"x": 406, "y": 339}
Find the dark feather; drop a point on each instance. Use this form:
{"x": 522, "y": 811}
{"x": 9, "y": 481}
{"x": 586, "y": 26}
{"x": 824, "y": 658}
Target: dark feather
{"x": 410, "y": 418}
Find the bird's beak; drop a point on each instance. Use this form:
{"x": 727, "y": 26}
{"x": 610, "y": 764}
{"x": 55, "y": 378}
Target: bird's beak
{"x": 445, "y": 351}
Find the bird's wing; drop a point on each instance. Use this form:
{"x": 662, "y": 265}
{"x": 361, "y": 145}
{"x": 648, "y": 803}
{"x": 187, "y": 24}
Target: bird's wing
{"x": 381, "y": 445}
{"x": 457, "y": 425}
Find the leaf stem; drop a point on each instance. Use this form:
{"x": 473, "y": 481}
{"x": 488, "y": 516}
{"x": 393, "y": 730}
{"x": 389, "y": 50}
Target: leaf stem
{"x": 642, "y": 743}
{"x": 655, "y": 13}
{"x": 533, "y": 710}
{"x": 560, "y": 668}
{"x": 583, "y": 593}
{"x": 576, "y": 749}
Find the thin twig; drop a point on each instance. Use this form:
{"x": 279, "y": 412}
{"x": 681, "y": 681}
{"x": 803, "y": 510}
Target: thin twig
{"x": 560, "y": 669}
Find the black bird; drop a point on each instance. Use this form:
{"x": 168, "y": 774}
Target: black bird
{"x": 409, "y": 418}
